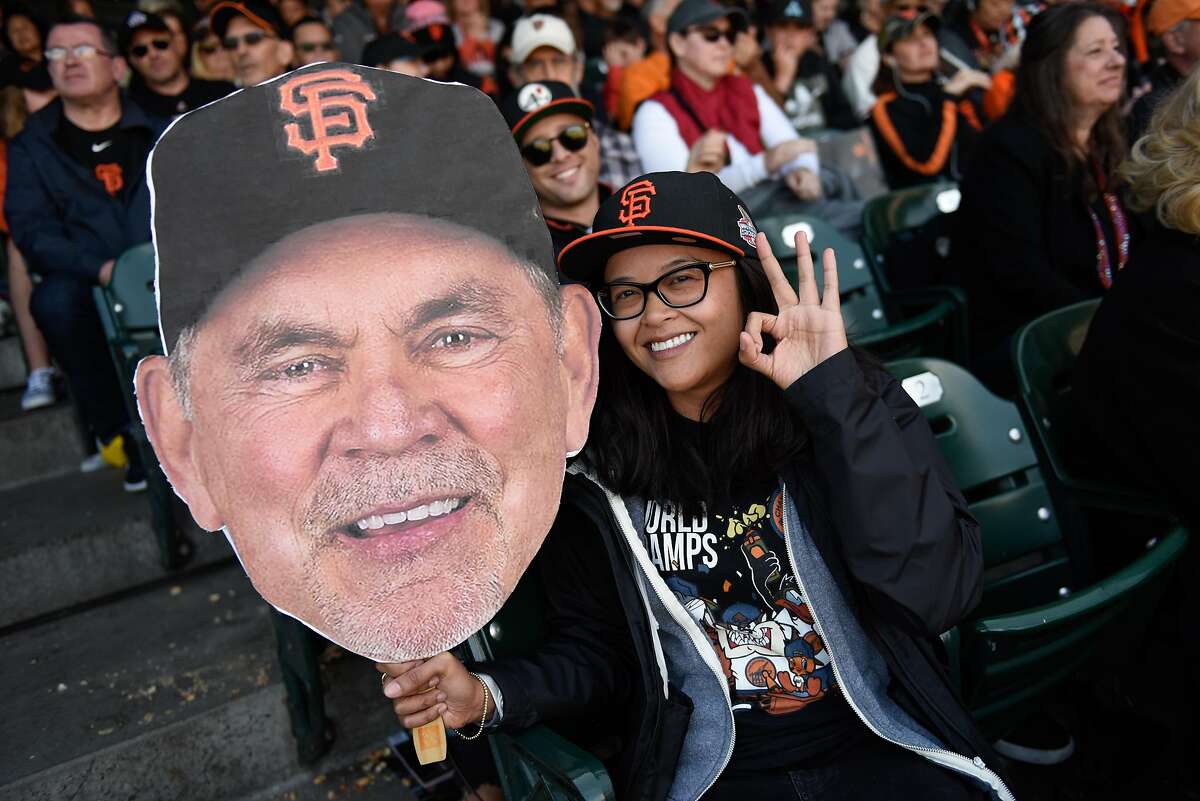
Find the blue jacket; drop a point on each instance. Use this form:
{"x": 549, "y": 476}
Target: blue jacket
{"x": 61, "y": 219}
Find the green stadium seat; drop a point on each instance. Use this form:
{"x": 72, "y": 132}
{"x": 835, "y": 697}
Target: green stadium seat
{"x": 129, "y": 315}
{"x": 1034, "y": 626}
{"x": 538, "y": 764}
{"x": 928, "y": 322}
{"x": 903, "y": 210}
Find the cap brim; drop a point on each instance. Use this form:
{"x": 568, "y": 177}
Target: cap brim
{"x": 564, "y": 105}
{"x": 733, "y": 13}
{"x": 222, "y": 13}
{"x": 585, "y": 258}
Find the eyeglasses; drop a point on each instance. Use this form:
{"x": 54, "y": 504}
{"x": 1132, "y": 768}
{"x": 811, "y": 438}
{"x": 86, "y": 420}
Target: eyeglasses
{"x": 79, "y": 51}
{"x": 250, "y": 40}
{"x": 140, "y": 51}
{"x": 541, "y": 150}
{"x": 312, "y": 47}
{"x": 684, "y": 286}
{"x": 713, "y": 35}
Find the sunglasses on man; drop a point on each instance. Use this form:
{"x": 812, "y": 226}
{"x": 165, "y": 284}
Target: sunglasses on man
{"x": 250, "y": 39}
{"x": 140, "y": 51}
{"x": 713, "y": 35}
{"x": 312, "y": 47}
{"x": 541, "y": 150}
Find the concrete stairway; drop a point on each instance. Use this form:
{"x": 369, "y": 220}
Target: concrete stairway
{"x": 124, "y": 681}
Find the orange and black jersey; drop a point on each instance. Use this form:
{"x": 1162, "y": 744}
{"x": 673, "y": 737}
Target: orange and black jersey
{"x": 923, "y": 134}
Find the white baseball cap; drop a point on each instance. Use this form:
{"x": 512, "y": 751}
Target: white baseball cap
{"x": 541, "y": 30}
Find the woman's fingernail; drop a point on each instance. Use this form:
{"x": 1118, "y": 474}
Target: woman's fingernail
{"x": 441, "y": 696}
{"x": 391, "y": 690}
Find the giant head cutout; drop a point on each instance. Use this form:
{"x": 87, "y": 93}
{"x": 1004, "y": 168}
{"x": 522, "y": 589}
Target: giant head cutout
{"x": 373, "y": 377}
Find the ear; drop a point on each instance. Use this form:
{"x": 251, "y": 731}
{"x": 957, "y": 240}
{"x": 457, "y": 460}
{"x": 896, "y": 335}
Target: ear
{"x": 120, "y": 67}
{"x": 172, "y": 436}
{"x": 675, "y": 42}
{"x": 577, "y": 72}
{"x": 888, "y": 60}
{"x": 581, "y": 361}
{"x": 1171, "y": 43}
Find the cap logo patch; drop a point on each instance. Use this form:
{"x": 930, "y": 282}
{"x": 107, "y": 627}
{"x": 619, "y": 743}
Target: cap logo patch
{"x": 635, "y": 202}
{"x": 534, "y": 96}
{"x": 334, "y": 102}
{"x": 793, "y": 10}
{"x": 746, "y": 228}
{"x": 136, "y": 18}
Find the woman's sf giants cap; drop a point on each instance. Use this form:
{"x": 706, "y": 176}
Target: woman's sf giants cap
{"x": 327, "y": 141}
{"x": 662, "y": 208}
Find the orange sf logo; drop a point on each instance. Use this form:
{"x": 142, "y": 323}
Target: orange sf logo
{"x": 635, "y": 202}
{"x": 112, "y": 177}
{"x": 335, "y": 104}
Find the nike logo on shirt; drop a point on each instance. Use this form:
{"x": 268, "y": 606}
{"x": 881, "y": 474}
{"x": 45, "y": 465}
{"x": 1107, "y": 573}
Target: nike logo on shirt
{"x": 101, "y": 146}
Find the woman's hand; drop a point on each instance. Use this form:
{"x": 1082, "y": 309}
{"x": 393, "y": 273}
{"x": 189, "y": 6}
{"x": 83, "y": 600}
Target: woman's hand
{"x": 967, "y": 79}
{"x": 807, "y": 330}
{"x": 423, "y": 690}
{"x": 786, "y": 152}
{"x": 805, "y": 184}
{"x": 708, "y": 152}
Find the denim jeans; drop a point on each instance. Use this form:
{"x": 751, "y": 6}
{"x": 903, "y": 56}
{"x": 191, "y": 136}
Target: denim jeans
{"x": 874, "y": 771}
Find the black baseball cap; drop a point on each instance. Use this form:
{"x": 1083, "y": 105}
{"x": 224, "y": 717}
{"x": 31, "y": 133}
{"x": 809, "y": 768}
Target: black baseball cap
{"x": 899, "y": 26}
{"x": 540, "y": 99}
{"x": 383, "y": 50}
{"x": 259, "y": 12}
{"x": 235, "y": 177}
{"x": 662, "y": 208}
{"x": 690, "y": 13}
{"x": 140, "y": 21}
{"x": 790, "y": 11}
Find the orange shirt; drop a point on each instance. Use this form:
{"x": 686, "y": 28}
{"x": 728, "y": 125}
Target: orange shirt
{"x": 640, "y": 81}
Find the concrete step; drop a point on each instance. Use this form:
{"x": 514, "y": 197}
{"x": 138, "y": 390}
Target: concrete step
{"x": 172, "y": 693}
{"x": 12, "y": 364}
{"x": 35, "y": 445}
{"x": 79, "y": 537}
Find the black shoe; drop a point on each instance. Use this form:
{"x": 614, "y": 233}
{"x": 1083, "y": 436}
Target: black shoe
{"x": 135, "y": 471}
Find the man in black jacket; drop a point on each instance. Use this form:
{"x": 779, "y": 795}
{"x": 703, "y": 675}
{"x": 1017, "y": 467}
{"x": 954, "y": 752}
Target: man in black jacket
{"x": 161, "y": 84}
{"x": 804, "y": 82}
{"x": 77, "y": 200}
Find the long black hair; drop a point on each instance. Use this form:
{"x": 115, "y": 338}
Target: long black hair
{"x": 634, "y": 445}
{"x": 1041, "y": 93}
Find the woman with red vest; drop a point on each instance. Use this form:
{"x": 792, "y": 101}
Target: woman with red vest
{"x": 710, "y": 119}
{"x": 923, "y": 129}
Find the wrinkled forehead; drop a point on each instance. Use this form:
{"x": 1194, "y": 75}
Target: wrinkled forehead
{"x": 333, "y": 253}
{"x": 73, "y": 34}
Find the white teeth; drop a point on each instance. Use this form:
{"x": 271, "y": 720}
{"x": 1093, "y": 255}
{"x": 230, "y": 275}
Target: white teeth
{"x": 432, "y": 509}
{"x": 673, "y": 342}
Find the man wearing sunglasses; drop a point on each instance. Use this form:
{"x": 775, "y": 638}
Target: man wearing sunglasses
{"x": 312, "y": 41}
{"x": 77, "y": 199}
{"x": 160, "y": 83}
{"x": 252, "y": 32}
{"x": 553, "y": 128}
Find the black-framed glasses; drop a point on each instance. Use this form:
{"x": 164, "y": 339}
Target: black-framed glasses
{"x": 312, "y": 47}
{"x": 541, "y": 150}
{"x": 250, "y": 39}
{"x": 684, "y": 286}
{"x": 79, "y": 51}
{"x": 713, "y": 35}
{"x": 140, "y": 51}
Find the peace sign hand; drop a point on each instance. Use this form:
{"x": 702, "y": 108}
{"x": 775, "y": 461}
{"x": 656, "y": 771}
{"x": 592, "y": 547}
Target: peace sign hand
{"x": 807, "y": 330}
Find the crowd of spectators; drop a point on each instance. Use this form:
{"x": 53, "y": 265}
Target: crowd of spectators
{"x": 1031, "y": 109}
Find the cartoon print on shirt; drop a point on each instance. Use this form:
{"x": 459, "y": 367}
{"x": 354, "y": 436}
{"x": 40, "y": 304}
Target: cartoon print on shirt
{"x": 766, "y": 641}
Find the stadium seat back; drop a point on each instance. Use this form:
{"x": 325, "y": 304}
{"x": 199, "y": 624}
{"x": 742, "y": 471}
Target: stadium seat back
{"x": 853, "y": 270}
{"x": 902, "y": 210}
{"x": 132, "y": 290}
{"x": 985, "y": 446}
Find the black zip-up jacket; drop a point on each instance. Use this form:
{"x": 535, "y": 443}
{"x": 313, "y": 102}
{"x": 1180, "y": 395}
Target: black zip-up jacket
{"x": 888, "y": 522}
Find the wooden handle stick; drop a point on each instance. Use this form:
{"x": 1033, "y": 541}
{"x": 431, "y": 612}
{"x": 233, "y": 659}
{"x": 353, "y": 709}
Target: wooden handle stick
{"x": 430, "y": 741}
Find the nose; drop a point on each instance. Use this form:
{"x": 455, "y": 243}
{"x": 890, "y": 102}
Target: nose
{"x": 558, "y": 153}
{"x": 656, "y": 310}
{"x": 391, "y": 411}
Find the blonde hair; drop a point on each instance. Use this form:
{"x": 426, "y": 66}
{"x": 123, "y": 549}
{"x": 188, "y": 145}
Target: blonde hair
{"x": 1163, "y": 171}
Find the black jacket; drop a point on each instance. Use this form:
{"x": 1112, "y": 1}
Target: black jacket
{"x": 916, "y": 114}
{"x": 61, "y": 218}
{"x": 821, "y": 81}
{"x": 1023, "y": 243}
{"x": 883, "y": 512}
{"x": 1138, "y": 375}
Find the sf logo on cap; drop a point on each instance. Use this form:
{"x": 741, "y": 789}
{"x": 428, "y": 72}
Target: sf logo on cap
{"x": 635, "y": 201}
{"x": 334, "y": 102}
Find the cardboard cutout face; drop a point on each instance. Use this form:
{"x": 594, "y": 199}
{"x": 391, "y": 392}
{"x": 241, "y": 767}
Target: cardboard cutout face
{"x": 374, "y": 378}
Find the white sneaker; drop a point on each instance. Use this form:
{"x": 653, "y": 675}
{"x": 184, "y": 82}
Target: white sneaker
{"x": 39, "y": 390}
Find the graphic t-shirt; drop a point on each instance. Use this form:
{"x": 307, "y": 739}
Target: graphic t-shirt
{"x": 727, "y": 563}
{"x": 115, "y": 157}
